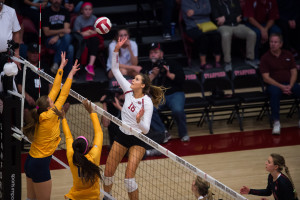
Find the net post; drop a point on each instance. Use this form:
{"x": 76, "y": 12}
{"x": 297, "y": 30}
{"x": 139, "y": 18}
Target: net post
{"x": 10, "y": 149}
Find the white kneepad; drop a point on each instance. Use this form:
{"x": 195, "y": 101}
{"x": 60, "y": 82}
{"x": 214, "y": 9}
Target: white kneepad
{"x": 108, "y": 180}
{"x": 130, "y": 184}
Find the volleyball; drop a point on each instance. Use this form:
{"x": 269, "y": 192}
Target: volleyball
{"x": 102, "y": 25}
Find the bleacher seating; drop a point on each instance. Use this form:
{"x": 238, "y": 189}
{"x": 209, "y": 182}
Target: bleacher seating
{"x": 143, "y": 19}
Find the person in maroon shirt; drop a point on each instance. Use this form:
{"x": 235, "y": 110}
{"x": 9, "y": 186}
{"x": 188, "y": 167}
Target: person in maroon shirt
{"x": 278, "y": 69}
{"x": 261, "y": 15}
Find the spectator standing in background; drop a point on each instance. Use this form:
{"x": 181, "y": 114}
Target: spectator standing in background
{"x": 228, "y": 16}
{"x": 128, "y": 55}
{"x": 289, "y": 23}
{"x": 56, "y": 28}
{"x": 196, "y": 15}
{"x": 279, "y": 72}
{"x": 261, "y": 15}
{"x": 10, "y": 30}
{"x": 84, "y": 24}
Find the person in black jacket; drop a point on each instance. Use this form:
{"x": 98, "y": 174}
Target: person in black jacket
{"x": 280, "y": 185}
{"x": 227, "y": 14}
{"x": 171, "y": 76}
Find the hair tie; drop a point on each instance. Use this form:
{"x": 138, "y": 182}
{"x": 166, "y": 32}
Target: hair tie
{"x": 37, "y": 107}
{"x": 87, "y": 143}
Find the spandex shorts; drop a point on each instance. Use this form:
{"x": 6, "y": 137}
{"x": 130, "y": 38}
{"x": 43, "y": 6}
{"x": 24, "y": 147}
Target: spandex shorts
{"x": 38, "y": 169}
{"x": 129, "y": 140}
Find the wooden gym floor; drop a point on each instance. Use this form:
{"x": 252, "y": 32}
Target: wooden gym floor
{"x": 233, "y": 158}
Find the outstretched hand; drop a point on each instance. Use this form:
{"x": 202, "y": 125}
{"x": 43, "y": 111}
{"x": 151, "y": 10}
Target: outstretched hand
{"x": 61, "y": 114}
{"x": 75, "y": 68}
{"x": 64, "y": 61}
{"x": 120, "y": 43}
{"x": 88, "y": 106}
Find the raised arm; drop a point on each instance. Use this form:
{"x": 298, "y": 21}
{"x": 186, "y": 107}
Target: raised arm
{"x": 57, "y": 81}
{"x": 67, "y": 86}
{"x": 67, "y": 132}
{"x": 95, "y": 152}
{"x": 125, "y": 85}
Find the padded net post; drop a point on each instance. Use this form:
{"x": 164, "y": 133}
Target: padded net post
{"x": 10, "y": 149}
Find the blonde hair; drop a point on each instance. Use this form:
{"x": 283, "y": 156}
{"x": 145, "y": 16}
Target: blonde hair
{"x": 42, "y": 105}
{"x": 280, "y": 162}
{"x": 156, "y": 93}
{"x": 203, "y": 188}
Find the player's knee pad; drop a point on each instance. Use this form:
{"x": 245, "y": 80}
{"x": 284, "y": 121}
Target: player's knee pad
{"x": 130, "y": 184}
{"x": 108, "y": 180}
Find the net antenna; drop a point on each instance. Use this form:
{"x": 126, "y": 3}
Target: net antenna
{"x": 40, "y": 36}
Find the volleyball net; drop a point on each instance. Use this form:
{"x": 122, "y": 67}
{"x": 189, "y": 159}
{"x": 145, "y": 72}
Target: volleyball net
{"x": 169, "y": 177}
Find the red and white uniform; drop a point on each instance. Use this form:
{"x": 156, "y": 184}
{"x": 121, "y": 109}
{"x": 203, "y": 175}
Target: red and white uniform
{"x": 132, "y": 105}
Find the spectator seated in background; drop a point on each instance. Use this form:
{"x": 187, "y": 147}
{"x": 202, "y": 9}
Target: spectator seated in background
{"x": 228, "y": 16}
{"x": 289, "y": 23}
{"x": 56, "y": 28}
{"x": 84, "y": 24}
{"x": 279, "y": 72}
{"x": 31, "y": 9}
{"x": 196, "y": 15}
{"x": 34, "y": 86}
{"x": 261, "y": 15}
{"x": 171, "y": 76}
{"x": 128, "y": 55}
{"x": 73, "y": 6}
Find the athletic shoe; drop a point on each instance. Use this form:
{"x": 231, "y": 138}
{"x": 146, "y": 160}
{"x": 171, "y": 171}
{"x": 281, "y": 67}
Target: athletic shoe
{"x": 54, "y": 68}
{"x": 276, "y": 128}
{"x": 90, "y": 69}
{"x": 167, "y": 36}
{"x": 88, "y": 77}
{"x": 185, "y": 138}
{"x": 228, "y": 67}
{"x": 153, "y": 152}
{"x": 167, "y": 137}
{"x": 252, "y": 63}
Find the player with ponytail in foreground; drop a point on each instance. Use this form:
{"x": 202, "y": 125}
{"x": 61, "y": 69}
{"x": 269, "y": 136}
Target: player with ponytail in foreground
{"x": 84, "y": 163}
{"x": 280, "y": 185}
{"x": 44, "y": 133}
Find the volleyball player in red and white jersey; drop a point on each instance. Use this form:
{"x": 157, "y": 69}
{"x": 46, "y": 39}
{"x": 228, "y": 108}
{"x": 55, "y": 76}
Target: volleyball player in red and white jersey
{"x": 140, "y": 96}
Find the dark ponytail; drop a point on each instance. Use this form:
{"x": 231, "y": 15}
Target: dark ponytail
{"x": 42, "y": 105}
{"x": 88, "y": 170}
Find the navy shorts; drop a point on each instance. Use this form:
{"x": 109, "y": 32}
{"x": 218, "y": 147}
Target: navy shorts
{"x": 129, "y": 140}
{"x": 38, "y": 169}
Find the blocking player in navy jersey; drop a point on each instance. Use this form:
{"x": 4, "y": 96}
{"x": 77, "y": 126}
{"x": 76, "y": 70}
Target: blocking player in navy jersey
{"x": 280, "y": 185}
{"x": 140, "y": 96}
